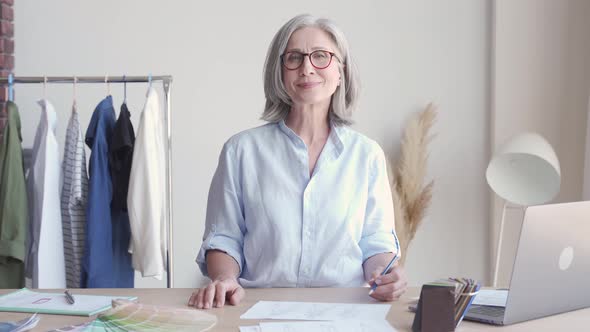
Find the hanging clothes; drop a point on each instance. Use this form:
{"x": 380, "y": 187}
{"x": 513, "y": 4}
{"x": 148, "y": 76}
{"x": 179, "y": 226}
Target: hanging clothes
{"x": 97, "y": 264}
{"x": 3, "y": 121}
{"x": 45, "y": 263}
{"x": 13, "y": 203}
{"x": 74, "y": 198}
{"x": 146, "y": 197}
{"x": 102, "y": 265}
{"x": 120, "y": 158}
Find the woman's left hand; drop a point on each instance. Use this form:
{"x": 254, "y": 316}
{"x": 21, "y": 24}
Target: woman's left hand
{"x": 390, "y": 286}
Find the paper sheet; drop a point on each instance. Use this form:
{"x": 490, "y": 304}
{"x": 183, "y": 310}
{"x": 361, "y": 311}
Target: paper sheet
{"x": 317, "y": 311}
{"x": 335, "y": 326}
{"x": 253, "y": 328}
{"x": 491, "y": 297}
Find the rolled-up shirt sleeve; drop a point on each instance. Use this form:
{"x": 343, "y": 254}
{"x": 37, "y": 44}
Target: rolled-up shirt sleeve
{"x": 378, "y": 235}
{"x": 224, "y": 225}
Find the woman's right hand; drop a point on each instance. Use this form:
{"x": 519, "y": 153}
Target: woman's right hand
{"x": 217, "y": 293}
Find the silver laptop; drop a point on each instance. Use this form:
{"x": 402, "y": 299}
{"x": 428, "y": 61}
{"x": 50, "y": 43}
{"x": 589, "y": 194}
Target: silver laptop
{"x": 551, "y": 272}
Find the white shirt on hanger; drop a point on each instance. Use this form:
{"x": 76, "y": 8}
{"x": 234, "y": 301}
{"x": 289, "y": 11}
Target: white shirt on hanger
{"x": 146, "y": 197}
{"x": 45, "y": 263}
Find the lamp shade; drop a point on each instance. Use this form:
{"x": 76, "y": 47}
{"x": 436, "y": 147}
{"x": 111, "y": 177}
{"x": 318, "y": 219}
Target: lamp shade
{"x": 525, "y": 170}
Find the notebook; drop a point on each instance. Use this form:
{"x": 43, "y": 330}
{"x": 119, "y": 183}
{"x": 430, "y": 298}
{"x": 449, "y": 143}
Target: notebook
{"x": 25, "y": 300}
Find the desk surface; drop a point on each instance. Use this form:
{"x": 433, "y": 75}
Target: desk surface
{"x": 229, "y": 316}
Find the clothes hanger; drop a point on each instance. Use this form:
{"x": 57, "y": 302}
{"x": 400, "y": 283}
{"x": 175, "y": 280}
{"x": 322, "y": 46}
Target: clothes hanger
{"x": 10, "y": 87}
{"x": 75, "y": 97}
{"x": 106, "y": 81}
{"x": 150, "y": 80}
{"x": 124, "y": 89}
{"x": 44, "y": 87}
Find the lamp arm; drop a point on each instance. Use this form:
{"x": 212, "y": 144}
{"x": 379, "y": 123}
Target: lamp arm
{"x": 499, "y": 246}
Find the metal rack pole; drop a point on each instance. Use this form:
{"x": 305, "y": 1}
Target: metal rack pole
{"x": 169, "y": 242}
{"x": 167, "y": 82}
{"x": 86, "y": 79}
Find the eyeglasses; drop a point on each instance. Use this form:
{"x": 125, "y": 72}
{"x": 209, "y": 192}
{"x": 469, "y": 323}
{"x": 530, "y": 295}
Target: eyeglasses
{"x": 319, "y": 59}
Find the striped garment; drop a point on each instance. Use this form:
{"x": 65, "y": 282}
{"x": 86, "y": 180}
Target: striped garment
{"x": 73, "y": 200}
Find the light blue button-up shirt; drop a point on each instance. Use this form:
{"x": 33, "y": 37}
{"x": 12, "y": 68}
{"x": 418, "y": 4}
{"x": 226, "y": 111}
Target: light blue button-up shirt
{"x": 287, "y": 229}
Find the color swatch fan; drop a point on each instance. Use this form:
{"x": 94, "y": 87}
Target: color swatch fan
{"x": 131, "y": 316}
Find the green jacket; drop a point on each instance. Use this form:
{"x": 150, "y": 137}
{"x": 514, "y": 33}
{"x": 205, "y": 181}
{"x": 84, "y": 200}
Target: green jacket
{"x": 13, "y": 203}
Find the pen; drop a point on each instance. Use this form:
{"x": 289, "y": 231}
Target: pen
{"x": 390, "y": 265}
{"x": 69, "y": 297}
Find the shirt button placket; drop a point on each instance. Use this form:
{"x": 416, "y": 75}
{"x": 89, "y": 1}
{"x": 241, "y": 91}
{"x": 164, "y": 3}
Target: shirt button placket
{"x": 306, "y": 252}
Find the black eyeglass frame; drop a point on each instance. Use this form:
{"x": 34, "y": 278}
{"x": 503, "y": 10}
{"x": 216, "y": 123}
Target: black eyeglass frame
{"x": 332, "y": 55}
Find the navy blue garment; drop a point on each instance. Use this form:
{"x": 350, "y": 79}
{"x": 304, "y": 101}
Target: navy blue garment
{"x": 120, "y": 158}
{"x": 102, "y": 266}
{"x": 122, "y": 268}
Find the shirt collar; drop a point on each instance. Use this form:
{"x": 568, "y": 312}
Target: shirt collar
{"x": 49, "y": 115}
{"x": 104, "y": 111}
{"x": 336, "y": 137}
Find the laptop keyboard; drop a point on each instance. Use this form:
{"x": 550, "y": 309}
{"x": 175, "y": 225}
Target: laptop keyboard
{"x": 487, "y": 310}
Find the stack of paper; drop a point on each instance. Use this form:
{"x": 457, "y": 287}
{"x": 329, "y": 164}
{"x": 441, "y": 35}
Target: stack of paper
{"x": 131, "y": 316}
{"x": 333, "y": 317}
{"x": 492, "y": 297}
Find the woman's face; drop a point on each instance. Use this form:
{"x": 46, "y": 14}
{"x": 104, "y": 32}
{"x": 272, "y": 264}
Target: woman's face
{"x": 308, "y": 84}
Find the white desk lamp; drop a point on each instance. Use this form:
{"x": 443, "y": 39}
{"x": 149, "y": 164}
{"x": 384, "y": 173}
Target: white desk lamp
{"x": 525, "y": 171}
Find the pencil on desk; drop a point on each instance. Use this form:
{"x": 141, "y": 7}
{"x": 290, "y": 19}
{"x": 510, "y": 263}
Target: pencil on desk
{"x": 69, "y": 297}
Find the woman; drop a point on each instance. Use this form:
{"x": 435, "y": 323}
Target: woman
{"x": 303, "y": 201}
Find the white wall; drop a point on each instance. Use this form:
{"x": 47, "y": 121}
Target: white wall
{"x": 409, "y": 53}
{"x": 586, "y": 188}
{"x": 541, "y": 83}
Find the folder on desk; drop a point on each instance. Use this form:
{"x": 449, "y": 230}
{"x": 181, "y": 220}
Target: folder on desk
{"x": 25, "y": 300}
{"x": 443, "y": 304}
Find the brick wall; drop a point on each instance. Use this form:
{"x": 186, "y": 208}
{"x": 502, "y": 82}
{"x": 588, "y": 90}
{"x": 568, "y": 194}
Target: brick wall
{"x": 6, "y": 52}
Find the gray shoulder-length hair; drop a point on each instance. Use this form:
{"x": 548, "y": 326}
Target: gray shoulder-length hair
{"x": 278, "y": 102}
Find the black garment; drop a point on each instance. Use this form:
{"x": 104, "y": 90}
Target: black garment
{"x": 120, "y": 157}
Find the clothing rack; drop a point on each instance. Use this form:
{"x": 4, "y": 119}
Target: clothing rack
{"x": 167, "y": 84}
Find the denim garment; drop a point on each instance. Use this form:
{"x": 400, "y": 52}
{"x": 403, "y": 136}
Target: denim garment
{"x": 105, "y": 265}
